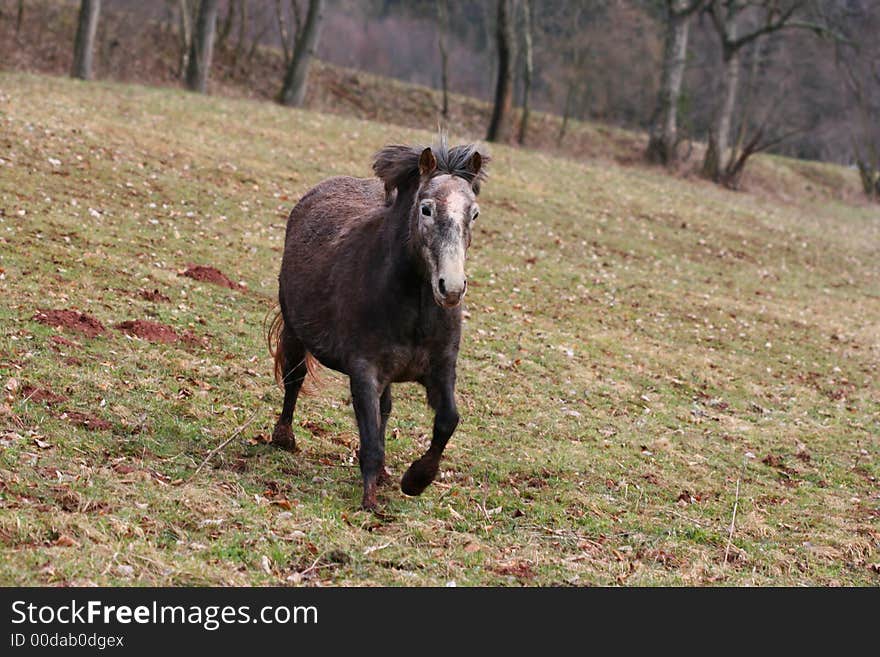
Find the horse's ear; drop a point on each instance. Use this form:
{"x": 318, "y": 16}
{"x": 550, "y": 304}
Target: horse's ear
{"x": 476, "y": 163}
{"x": 427, "y": 162}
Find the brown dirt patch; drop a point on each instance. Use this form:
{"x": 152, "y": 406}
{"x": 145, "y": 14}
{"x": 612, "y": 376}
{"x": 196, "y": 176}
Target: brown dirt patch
{"x": 86, "y": 421}
{"x": 162, "y": 333}
{"x": 190, "y": 339}
{"x": 149, "y": 331}
{"x": 154, "y": 296}
{"x": 41, "y": 395}
{"x": 210, "y": 275}
{"x": 516, "y": 568}
{"x": 72, "y": 320}
{"x": 57, "y": 339}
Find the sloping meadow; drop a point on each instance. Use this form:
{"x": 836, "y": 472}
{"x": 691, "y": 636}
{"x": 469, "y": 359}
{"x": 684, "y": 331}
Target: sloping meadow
{"x": 643, "y": 358}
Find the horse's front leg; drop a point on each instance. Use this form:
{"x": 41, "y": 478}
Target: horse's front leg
{"x": 365, "y": 399}
{"x": 384, "y": 412}
{"x": 441, "y": 397}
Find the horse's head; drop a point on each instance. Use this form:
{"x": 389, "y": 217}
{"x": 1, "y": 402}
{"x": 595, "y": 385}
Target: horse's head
{"x": 446, "y": 209}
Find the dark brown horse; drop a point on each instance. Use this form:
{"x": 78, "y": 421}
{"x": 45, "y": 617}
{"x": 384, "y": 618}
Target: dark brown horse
{"x": 371, "y": 284}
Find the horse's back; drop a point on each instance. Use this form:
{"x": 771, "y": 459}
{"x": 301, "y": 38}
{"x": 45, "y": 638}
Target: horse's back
{"x": 330, "y": 234}
{"x": 331, "y": 207}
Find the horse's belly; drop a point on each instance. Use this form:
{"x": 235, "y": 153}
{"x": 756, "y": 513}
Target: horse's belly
{"x": 342, "y": 346}
{"x": 409, "y": 364}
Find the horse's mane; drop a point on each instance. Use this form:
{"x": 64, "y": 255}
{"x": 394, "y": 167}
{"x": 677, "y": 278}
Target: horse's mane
{"x": 398, "y": 166}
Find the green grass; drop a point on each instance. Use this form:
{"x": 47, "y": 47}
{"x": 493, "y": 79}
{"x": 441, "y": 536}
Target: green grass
{"x": 637, "y": 347}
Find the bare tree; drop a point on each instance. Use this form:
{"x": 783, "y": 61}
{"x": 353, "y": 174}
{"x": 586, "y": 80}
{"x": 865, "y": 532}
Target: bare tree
{"x": 84, "y": 45}
{"x": 243, "y": 22}
{"x": 573, "y": 47}
{"x": 762, "y": 19}
{"x": 200, "y": 53}
{"x": 259, "y": 35}
{"x": 442, "y": 27}
{"x": 185, "y": 12}
{"x": 504, "y": 83}
{"x": 566, "y": 111}
{"x": 759, "y": 128}
{"x": 226, "y": 28}
{"x": 528, "y": 68}
{"x": 19, "y": 17}
{"x": 857, "y": 57}
{"x": 284, "y": 32}
{"x": 664, "y": 140}
{"x": 293, "y": 91}
{"x": 582, "y": 61}
{"x": 488, "y": 42}
{"x": 726, "y": 16}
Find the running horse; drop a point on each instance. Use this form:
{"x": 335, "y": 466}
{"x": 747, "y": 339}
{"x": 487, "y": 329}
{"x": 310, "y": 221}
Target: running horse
{"x": 371, "y": 283}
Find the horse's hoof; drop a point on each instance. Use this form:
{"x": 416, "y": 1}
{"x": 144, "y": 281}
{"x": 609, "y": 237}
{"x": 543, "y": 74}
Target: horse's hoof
{"x": 384, "y": 476}
{"x": 369, "y": 503}
{"x": 419, "y": 475}
{"x": 283, "y": 438}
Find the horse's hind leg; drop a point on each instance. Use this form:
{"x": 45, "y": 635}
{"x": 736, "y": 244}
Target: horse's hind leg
{"x": 293, "y": 373}
{"x": 441, "y": 397}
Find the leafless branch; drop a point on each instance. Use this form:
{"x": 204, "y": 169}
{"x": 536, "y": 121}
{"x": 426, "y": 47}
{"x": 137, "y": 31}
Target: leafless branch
{"x": 282, "y": 28}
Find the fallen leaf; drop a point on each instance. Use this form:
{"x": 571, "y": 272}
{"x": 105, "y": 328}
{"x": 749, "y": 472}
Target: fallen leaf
{"x": 375, "y": 548}
{"x": 125, "y": 571}
{"x": 65, "y": 541}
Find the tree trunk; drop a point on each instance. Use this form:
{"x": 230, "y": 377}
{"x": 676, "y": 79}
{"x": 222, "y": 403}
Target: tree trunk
{"x": 732, "y": 173}
{"x": 242, "y": 32}
{"x": 84, "y": 44}
{"x": 226, "y": 29}
{"x": 504, "y": 83}
{"x": 717, "y": 152}
{"x": 745, "y": 111}
{"x": 19, "y": 17}
{"x": 566, "y": 112}
{"x": 257, "y": 39}
{"x": 870, "y": 180}
{"x": 185, "y": 37}
{"x": 293, "y": 92}
{"x": 282, "y": 29}
{"x": 442, "y": 22}
{"x": 664, "y": 128}
{"x": 202, "y": 47}
{"x": 864, "y": 141}
{"x": 527, "y": 70}
{"x": 491, "y": 59}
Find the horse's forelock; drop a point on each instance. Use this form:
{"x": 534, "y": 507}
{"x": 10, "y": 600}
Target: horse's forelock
{"x": 398, "y": 166}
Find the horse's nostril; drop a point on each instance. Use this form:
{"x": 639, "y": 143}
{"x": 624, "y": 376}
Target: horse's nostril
{"x": 442, "y": 285}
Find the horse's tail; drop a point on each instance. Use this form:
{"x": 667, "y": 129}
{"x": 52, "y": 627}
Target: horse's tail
{"x": 275, "y": 338}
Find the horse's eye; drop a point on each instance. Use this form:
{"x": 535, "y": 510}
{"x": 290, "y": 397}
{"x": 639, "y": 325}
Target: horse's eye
{"x": 476, "y": 214}
{"x": 426, "y": 210}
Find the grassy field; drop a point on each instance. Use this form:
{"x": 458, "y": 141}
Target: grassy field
{"x": 151, "y": 54}
{"x": 643, "y": 357}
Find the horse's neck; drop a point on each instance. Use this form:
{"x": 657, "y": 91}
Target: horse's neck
{"x": 409, "y": 278}
{"x": 398, "y": 239}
